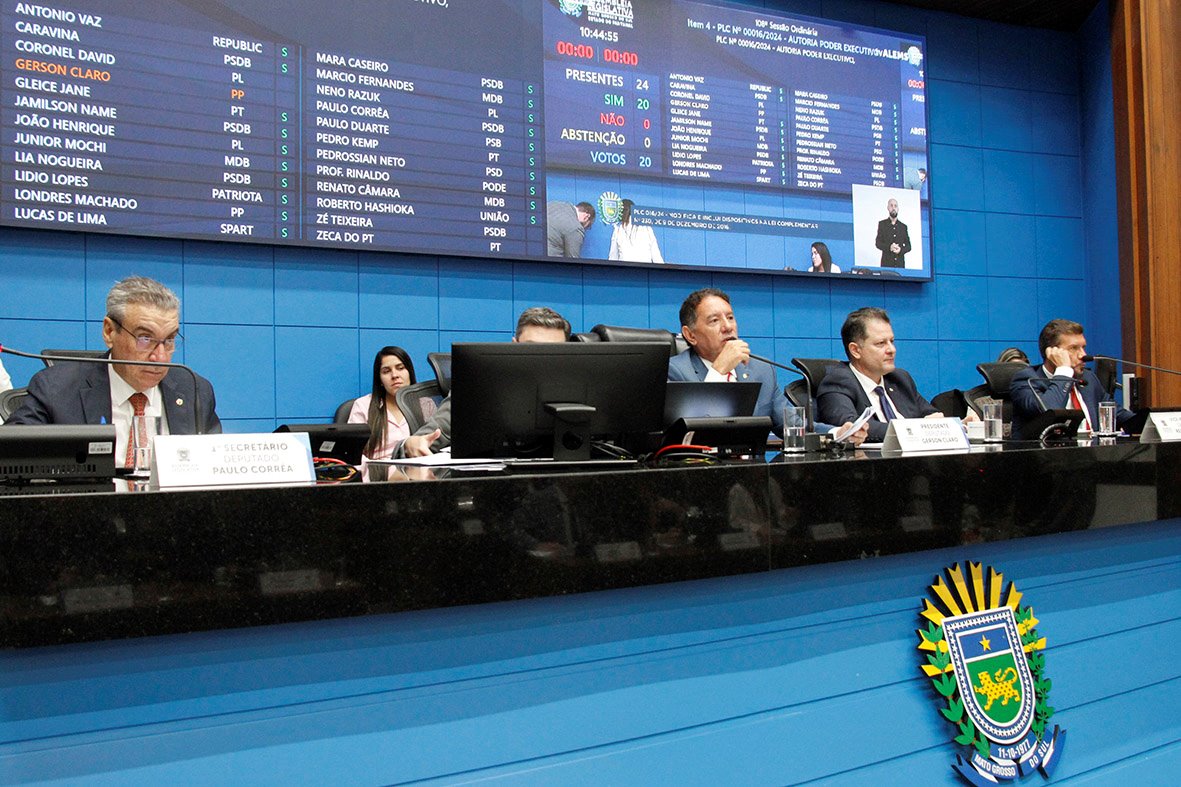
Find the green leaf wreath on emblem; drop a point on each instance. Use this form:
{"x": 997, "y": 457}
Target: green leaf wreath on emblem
{"x": 975, "y": 594}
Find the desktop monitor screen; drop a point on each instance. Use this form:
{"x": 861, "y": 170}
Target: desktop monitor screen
{"x": 503, "y": 397}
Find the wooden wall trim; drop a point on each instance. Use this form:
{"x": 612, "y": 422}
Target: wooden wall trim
{"x": 1146, "y": 70}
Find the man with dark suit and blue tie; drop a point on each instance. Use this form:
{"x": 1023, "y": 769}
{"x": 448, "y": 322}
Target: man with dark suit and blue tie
{"x": 142, "y": 324}
{"x": 870, "y": 378}
{"x": 716, "y": 354}
{"x": 1061, "y": 381}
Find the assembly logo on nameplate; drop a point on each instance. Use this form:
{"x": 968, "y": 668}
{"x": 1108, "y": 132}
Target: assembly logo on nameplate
{"x": 986, "y": 661}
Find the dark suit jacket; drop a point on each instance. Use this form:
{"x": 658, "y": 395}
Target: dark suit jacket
{"x": 892, "y": 233}
{"x": 841, "y": 398}
{"x": 80, "y": 393}
{"x": 688, "y": 367}
{"x": 1055, "y": 393}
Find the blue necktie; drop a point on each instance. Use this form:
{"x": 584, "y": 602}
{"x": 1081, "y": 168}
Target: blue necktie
{"x": 887, "y": 411}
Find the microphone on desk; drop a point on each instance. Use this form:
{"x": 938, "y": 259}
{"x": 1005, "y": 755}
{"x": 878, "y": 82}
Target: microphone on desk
{"x": 113, "y": 361}
{"x": 809, "y": 423}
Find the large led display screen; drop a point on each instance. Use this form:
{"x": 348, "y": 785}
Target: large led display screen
{"x": 643, "y": 132}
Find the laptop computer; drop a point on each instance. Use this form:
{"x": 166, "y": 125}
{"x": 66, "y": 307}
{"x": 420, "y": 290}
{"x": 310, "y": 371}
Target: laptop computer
{"x": 709, "y": 400}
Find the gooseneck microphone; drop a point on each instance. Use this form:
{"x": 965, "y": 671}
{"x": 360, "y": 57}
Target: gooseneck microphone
{"x": 112, "y": 362}
{"x": 809, "y": 423}
{"x": 1089, "y": 358}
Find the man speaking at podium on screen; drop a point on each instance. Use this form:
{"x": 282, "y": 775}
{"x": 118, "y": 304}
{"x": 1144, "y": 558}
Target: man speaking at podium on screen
{"x": 142, "y": 324}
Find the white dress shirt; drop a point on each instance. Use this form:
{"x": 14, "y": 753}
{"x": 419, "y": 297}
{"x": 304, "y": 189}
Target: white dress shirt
{"x": 874, "y": 402}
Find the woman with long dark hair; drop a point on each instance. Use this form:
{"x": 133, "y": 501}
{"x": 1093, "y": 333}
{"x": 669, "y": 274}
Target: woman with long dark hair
{"x": 822, "y": 259}
{"x": 392, "y": 369}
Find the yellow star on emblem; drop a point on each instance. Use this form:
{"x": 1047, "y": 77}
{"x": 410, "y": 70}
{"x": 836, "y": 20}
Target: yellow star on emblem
{"x": 985, "y": 644}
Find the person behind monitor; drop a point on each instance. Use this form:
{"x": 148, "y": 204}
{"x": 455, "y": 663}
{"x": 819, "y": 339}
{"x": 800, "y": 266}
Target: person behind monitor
{"x": 631, "y": 242}
{"x": 870, "y": 378}
{"x": 716, "y": 354}
{"x": 392, "y": 369}
{"x": 539, "y": 324}
{"x": 142, "y": 324}
{"x": 1062, "y": 380}
{"x": 893, "y": 238}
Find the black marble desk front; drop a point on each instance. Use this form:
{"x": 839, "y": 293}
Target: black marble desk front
{"x": 98, "y": 566}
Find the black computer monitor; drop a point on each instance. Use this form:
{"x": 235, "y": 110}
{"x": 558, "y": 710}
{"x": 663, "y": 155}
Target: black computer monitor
{"x": 552, "y": 400}
{"x": 57, "y": 454}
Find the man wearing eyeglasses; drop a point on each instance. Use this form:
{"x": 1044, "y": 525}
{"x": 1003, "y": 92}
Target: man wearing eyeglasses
{"x": 142, "y": 324}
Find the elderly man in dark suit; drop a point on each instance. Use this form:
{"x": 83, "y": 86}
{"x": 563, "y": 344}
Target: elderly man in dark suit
{"x": 870, "y": 378}
{"x": 1061, "y": 381}
{"x": 142, "y": 324}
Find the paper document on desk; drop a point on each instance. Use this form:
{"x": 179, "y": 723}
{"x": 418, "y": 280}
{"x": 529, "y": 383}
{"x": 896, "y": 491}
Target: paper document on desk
{"x": 843, "y": 435}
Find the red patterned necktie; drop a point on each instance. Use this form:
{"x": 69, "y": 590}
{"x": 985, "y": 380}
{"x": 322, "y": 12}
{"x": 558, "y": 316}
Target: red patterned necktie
{"x": 1078, "y": 405}
{"x": 139, "y": 402}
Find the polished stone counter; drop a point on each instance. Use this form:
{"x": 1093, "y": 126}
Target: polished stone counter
{"x": 107, "y": 565}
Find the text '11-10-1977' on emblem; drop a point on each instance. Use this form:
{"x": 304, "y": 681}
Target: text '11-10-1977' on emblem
{"x": 986, "y": 662}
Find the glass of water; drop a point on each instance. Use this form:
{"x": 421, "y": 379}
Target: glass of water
{"x": 795, "y": 424}
{"x": 994, "y": 422}
{"x": 1107, "y": 419}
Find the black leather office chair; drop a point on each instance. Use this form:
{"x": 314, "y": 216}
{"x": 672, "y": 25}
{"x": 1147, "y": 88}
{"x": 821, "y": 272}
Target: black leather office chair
{"x": 413, "y": 402}
{"x": 342, "y": 412}
{"x": 813, "y": 369}
{"x": 441, "y": 363}
{"x": 10, "y": 400}
{"x": 618, "y": 333}
{"x": 585, "y": 337}
{"x": 74, "y": 354}
{"x": 998, "y": 378}
{"x": 797, "y": 393}
{"x": 952, "y": 403}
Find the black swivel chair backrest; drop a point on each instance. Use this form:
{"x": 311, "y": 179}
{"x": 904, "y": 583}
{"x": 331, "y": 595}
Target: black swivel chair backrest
{"x": 797, "y": 393}
{"x": 11, "y": 400}
{"x": 74, "y": 354}
{"x": 441, "y": 363}
{"x": 813, "y": 369}
{"x": 616, "y": 333}
{"x": 412, "y": 402}
{"x": 342, "y": 412}
{"x": 999, "y": 376}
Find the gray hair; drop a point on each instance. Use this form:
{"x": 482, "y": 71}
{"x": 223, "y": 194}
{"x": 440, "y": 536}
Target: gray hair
{"x": 542, "y": 317}
{"x": 140, "y": 290}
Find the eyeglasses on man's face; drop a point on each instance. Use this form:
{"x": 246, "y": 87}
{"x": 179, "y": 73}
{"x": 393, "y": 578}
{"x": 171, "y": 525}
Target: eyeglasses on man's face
{"x": 148, "y": 344}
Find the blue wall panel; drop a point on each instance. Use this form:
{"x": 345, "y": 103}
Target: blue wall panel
{"x": 811, "y": 673}
{"x": 1022, "y": 232}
